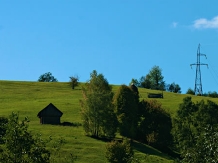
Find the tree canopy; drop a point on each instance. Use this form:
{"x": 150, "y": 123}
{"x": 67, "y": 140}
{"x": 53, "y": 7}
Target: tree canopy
{"x": 190, "y": 127}
{"x": 154, "y": 79}
{"x": 126, "y": 106}
{"x": 47, "y": 77}
{"x": 97, "y": 111}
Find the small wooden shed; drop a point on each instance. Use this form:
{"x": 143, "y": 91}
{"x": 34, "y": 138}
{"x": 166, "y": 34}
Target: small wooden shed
{"x": 50, "y": 115}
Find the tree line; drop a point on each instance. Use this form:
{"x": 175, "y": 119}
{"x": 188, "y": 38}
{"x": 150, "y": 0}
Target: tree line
{"x": 155, "y": 80}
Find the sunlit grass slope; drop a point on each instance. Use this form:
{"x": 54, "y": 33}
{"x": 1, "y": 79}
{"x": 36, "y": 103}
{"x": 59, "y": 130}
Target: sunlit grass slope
{"x": 28, "y": 98}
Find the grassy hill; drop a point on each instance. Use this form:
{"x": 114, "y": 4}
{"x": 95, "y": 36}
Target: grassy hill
{"x": 28, "y": 98}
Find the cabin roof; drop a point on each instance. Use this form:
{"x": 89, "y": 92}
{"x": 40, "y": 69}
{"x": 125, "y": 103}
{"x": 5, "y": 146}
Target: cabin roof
{"x": 50, "y": 111}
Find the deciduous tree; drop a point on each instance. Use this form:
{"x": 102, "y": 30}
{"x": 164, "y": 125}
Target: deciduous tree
{"x": 154, "y": 79}
{"x": 47, "y": 77}
{"x": 154, "y": 126}
{"x": 190, "y": 123}
{"x": 97, "y": 110}
{"x": 175, "y": 88}
{"x": 126, "y": 107}
{"x": 74, "y": 81}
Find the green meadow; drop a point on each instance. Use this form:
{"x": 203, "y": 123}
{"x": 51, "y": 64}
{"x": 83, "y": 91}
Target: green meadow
{"x": 28, "y": 98}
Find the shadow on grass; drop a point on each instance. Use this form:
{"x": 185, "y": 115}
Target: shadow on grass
{"x": 143, "y": 148}
{"x": 73, "y": 124}
{"x": 146, "y": 149}
{"x": 104, "y": 139}
{"x": 165, "y": 153}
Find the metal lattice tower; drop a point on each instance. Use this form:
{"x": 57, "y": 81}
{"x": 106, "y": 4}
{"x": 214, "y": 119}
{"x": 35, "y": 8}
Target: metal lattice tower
{"x": 198, "y": 83}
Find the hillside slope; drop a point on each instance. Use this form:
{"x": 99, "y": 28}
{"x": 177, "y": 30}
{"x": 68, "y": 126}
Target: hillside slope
{"x": 28, "y": 98}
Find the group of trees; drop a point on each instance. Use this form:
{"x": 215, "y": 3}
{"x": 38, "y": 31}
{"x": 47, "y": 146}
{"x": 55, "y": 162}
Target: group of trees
{"x": 192, "y": 131}
{"x": 213, "y": 94}
{"x": 104, "y": 113}
{"x": 195, "y": 131}
{"x": 155, "y": 80}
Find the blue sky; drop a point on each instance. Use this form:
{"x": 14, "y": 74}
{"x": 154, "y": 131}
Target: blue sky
{"x": 123, "y": 39}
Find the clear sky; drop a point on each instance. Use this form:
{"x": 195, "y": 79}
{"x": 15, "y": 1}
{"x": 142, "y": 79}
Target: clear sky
{"x": 122, "y": 39}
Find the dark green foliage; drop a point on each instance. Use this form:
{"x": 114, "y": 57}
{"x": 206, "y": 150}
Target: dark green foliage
{"x": 126, "y": 108}
{"x": 119, "y": 152}
{"x": 20, "y": 145}
{"x": 3, "y": 123}
{"x": 47, "y": 77}
{"x": 213, "y": 94}
{"x": 190, "y": 123}
{"x": 145, "y": 81}
{"x": 154, "y": 79}
{"x": 190, "y": 91}
{"x": 175, "y": 88}
{"x": 206, "y": 148}
{"x": 97, "y": 111}
{"x": 155, "y": 124}
{"x": 135, "y": 82}
{"x": 74, "y": 81}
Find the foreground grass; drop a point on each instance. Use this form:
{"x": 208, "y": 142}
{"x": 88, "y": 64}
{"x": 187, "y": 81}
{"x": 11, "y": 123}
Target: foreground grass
{"x": 28, "y": 98}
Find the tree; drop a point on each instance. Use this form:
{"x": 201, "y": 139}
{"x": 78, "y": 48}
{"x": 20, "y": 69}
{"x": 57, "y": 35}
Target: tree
{"x": 154, "y": 126}
{"x": 47, "y": 77}
{"x": 97, "y": 109}
{"x": 154, "y": 79}
{"x": 74, "y": 81}
{"x": 119, "y": 152}
{"x": 126, "y": 106}
{"x": 206, "y": 149}
{"x": 20, "y": 145}
{"x": 175, "y": 88}
{"x": 190, "y": 123}
{"x": 145, "y": 81}
{"x": 190, "y": 91}
{"x": 135, "y": 82}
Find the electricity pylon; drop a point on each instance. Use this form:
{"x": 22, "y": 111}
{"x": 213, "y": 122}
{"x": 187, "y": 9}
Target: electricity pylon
{"x": 198, "y": 83}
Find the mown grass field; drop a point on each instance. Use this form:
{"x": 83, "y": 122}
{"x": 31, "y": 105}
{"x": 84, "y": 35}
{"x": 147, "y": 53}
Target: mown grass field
{"x": 28, "y": 98}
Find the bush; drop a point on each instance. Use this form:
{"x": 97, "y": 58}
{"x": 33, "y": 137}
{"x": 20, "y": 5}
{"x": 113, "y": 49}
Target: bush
{"x": 119, "y": 152}
{"x": 190, "y": 91}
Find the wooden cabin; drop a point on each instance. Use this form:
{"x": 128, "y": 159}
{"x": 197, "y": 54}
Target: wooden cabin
{"x": 50, "y": 115}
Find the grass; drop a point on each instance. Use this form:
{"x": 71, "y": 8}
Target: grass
{"x": 28, "y": 98}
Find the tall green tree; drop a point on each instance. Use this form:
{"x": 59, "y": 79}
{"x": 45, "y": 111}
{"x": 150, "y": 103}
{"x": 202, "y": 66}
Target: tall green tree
{"x": 145, "y": 81}
{"x": 126, "y": 108}
{"x": 154, "y": 79}
{"x": 97, "y": 109}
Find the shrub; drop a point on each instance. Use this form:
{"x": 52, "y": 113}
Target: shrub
{"x": 119, "y": 152}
